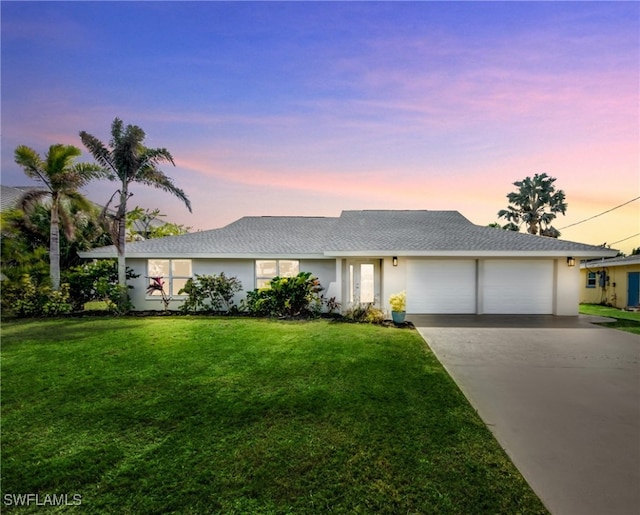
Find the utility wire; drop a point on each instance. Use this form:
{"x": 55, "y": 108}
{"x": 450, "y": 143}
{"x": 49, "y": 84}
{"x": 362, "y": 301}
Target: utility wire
{"x": 625, "y": 239}
{"x": 599, "y": 214}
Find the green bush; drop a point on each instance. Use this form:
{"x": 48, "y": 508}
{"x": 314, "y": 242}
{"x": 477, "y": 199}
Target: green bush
{"x": 25, "y": 298}
{"x": 297, "y": 296}
{"x": 210, "y": 293}
{"x": 97, "y": 280}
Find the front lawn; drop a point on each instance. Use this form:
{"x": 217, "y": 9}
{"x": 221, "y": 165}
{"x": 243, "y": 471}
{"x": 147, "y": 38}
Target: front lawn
{"x": 220, "y": 415}
{"x": 625, "y": 320}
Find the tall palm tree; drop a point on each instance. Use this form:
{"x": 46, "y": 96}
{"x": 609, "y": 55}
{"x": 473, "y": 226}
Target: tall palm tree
{"x": 127, "y": 161}
{"x": 535, "y": 204}
{"x": 61, "y": 178}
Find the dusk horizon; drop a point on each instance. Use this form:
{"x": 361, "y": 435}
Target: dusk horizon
{"x": 309, "y": 109}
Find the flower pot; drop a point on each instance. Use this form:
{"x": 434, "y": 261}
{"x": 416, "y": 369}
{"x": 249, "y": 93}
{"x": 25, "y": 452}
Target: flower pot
{"x": 398, "y": 316}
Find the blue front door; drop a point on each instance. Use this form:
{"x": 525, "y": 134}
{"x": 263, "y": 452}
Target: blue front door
{"x": 633, "y": 289}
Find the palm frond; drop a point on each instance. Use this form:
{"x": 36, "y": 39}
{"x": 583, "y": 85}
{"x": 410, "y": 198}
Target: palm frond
{"x": 151, "y": 176}
{"x": 31, "y": 163}
{"x": 31, "y": 199}
{"x": 100, "y": 153}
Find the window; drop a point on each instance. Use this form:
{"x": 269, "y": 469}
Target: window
{"x": 591, "y": 280}
{"x": 174, "y": 273}
{"x": 267, "y": 269}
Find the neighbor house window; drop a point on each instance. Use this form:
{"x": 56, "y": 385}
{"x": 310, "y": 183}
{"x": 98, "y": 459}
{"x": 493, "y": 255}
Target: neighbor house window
{"x": 174, "y": 273}
{"x": 267, "y": 269}
{"x": 591, "y": 280}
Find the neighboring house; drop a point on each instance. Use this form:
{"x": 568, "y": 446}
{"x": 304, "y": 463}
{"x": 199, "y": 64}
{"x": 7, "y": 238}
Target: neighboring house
{"x": 445, "y": 263}
{"x": 10, "y": 195}
{"x": 614, "y": 281}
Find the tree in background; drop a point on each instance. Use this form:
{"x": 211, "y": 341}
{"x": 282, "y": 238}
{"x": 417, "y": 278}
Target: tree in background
{"x": 144, "y": 224}
{"x": 25, "y": 238}
{"x": 127, "y": 160}
{"x": 61, "y": 178}
{"x": 535, "y": 204}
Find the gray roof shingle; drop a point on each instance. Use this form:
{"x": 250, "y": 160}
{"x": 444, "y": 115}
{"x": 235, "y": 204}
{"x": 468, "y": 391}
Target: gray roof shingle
{"x": 382, "y": 232}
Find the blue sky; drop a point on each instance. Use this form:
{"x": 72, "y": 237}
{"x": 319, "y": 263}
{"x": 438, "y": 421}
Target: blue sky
{"x": 310, "y": 108}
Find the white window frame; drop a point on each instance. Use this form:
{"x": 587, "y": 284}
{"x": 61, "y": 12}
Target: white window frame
{"x": 262, "y": 280}
{"x": 171, "y": 279}
{"x": 592, "y": 279}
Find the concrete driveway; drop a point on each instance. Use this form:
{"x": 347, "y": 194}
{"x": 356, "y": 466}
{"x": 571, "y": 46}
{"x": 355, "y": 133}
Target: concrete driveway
{"x": 561, "y": 395}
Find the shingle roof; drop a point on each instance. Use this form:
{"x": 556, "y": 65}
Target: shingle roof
{"x": 366, "y": 232}
{"x": 10, "y": 195}
{"x": 247, "y": 236}
{"x": 433, "y": 231}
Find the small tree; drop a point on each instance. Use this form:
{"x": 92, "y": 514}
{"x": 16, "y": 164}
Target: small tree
{"x": 535, "y": 204}
{"x": 61, "y": 178}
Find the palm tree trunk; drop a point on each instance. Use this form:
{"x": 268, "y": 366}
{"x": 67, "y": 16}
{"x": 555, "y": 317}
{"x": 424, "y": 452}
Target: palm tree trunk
{"x": 54, "y": 245}
{"x": 122, "y": 265}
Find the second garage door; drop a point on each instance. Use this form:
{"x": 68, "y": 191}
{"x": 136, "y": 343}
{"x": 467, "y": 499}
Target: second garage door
{"x": 441, "y": 286}
{"x": 523, "y": 286}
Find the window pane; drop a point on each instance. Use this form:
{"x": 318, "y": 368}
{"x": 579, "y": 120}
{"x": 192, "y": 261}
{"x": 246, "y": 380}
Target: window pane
{"x": 158, "y": 268}
{"x": 177, "y": 285}
{"x": 366, "y": 283}
{"x": 263, "y": 283}
{"x": 265, "y": 269}
{"x": 181, "y": 267}
{"x": 289, "y": 268}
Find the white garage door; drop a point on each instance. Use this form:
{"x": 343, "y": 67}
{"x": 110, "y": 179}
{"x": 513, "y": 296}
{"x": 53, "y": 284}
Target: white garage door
{"x": 518, "y": 286}
{"x": 441, "y": 286}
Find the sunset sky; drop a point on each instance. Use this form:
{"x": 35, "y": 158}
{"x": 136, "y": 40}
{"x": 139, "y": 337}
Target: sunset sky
{"x": 304, "y": 108}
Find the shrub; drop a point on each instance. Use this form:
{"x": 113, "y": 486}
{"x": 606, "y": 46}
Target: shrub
{"x": 97, "y": 280}
{"x": 210, "y": 293}
{"x": 365, "y": 313}
{"x": 25, "y": 298}
{"x": 297, "y": 296}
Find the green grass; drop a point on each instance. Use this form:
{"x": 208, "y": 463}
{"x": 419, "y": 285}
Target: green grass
{"x": 218, "y": 415}
{"x": 625, "y": 320}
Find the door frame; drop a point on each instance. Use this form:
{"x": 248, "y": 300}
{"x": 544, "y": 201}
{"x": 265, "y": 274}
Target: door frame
{"x": 352, "y": 282}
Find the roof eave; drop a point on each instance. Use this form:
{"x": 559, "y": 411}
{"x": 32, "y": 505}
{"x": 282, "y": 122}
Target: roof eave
{"x": 580, "y": 254}
{"x": 205, "y": 255}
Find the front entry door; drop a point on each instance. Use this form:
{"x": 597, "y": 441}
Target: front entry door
{"x": 633, "y": 289}
{"x": 364, "y": 282}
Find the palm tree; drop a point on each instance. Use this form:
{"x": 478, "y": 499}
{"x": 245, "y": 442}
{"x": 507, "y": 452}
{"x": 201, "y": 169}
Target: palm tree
{"x": 127, "y": 161}
{"x": 536, "y": 204}
{"x": 62, "y": 178}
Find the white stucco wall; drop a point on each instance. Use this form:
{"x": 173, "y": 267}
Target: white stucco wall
{"x": 394, "y": 280}
{"x": 243, "y": 269}
{"x": 566, "y": 288}
{"x": 330, "y": 272}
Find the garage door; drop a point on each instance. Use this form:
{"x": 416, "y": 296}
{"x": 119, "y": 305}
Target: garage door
{"x": 441, "y": 286}
{"x": 518, "y": 287}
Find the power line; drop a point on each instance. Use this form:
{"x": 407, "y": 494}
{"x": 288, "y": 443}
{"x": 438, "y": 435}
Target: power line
{"x": 625, "y": 239}
{"x": 600, "y": 214}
